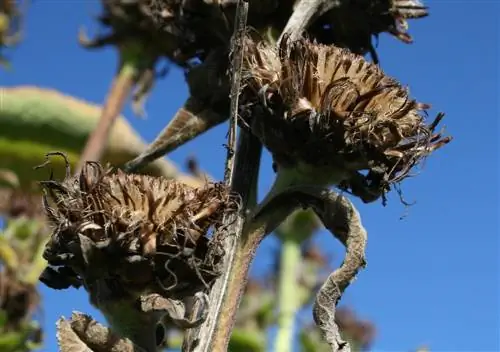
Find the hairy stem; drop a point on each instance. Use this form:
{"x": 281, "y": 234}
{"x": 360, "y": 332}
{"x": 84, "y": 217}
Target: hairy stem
{"x": 119, "y": 91}
{"x": 241, "y": 171}
{"x": 287, "y": 295}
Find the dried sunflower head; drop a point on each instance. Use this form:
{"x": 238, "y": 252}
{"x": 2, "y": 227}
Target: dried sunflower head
{"x": 353, "y": 24}
{"x": 329, "y": 114}
{"x": 136, "y": 234}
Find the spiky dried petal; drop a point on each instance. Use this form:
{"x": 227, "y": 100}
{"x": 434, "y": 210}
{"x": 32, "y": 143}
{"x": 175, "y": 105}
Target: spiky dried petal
{"x": 140, "y": 233}
{"x": 328, "y": 108}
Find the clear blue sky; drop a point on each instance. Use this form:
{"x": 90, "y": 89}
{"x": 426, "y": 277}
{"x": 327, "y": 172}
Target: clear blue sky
{"x": 432, "y": 278}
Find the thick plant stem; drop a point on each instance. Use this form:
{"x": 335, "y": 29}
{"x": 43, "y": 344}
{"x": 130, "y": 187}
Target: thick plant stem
{"x": 254, "y": 231}
{"x": 287, "y": 295}
{"x": 120, "y": 90}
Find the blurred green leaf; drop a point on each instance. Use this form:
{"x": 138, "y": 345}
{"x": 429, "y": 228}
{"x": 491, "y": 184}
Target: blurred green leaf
{"x": 34, "y": 121}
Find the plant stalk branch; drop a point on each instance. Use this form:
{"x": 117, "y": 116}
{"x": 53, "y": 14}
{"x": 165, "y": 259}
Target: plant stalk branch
{"x": 287, "y": 294}
{"x": 119, "y": 91}
{"x": 240, "y": 174}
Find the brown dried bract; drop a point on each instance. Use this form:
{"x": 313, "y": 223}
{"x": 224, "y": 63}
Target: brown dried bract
{"x": 353, "y": 24}
{"x": 137, "y": 234}
{"x": 327, "y": 108}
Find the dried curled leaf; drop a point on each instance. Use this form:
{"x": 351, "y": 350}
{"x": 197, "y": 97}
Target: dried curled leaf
{"x": 324, "y": 107}
{"x": 353, "y": 24}
{"x": 83, "y": 334}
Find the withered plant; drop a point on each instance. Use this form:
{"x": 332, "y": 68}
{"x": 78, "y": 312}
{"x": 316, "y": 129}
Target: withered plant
{"x": 138, "y": 244}
{"x": 353, "y": 24}
{"x": 348, "y": 24}
{"x": 330, "y": 117}
{"x": 295, "y": 82}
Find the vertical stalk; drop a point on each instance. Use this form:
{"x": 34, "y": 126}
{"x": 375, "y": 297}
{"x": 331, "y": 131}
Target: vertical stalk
{"x": 117, "y": 96}
{"x": 287, "y": 295}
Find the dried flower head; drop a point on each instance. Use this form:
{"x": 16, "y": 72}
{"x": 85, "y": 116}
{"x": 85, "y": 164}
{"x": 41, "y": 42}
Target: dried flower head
{"x": 329, "y": 114}
{"x": 137, "y": 234}
{"x": 133, "y": 28}
{"x": 353, "y": 24}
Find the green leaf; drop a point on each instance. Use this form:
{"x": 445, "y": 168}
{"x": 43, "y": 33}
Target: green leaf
{"x": 34, "y": 121}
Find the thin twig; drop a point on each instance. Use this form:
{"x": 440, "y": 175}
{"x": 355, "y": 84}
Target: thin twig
{"x": 214, "y": 334}
{"x": 120, "y": 90}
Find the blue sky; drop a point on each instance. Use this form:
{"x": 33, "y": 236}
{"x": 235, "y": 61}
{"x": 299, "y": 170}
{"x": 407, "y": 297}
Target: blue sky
{"x": 432, "y": 278}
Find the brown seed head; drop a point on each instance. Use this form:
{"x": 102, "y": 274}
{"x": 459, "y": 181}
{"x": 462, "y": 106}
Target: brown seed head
{"x": 143, "y": 234}
{"x": 328, "y": 108}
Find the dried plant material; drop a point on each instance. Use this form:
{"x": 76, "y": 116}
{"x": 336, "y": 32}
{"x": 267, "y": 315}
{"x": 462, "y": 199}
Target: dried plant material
{"x": 342, "y": 219}
{"x": 83, "y": 334}
{"x": 171, "y": 29}
{"x": 132, "y": 28}
{"x": 352, "y": 24}
{"x": 326, "y": 112}
{"x": 126, "y": 236}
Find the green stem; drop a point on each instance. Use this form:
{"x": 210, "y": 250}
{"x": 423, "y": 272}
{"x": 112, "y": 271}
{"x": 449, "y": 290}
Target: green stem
{"x": 288, "y": 298}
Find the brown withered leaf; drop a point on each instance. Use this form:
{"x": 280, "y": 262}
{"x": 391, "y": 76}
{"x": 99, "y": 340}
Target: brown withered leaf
{"x": 353, "y": 24}
{"x": 82, "y": 334}
{"x": 319, "y": 107}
